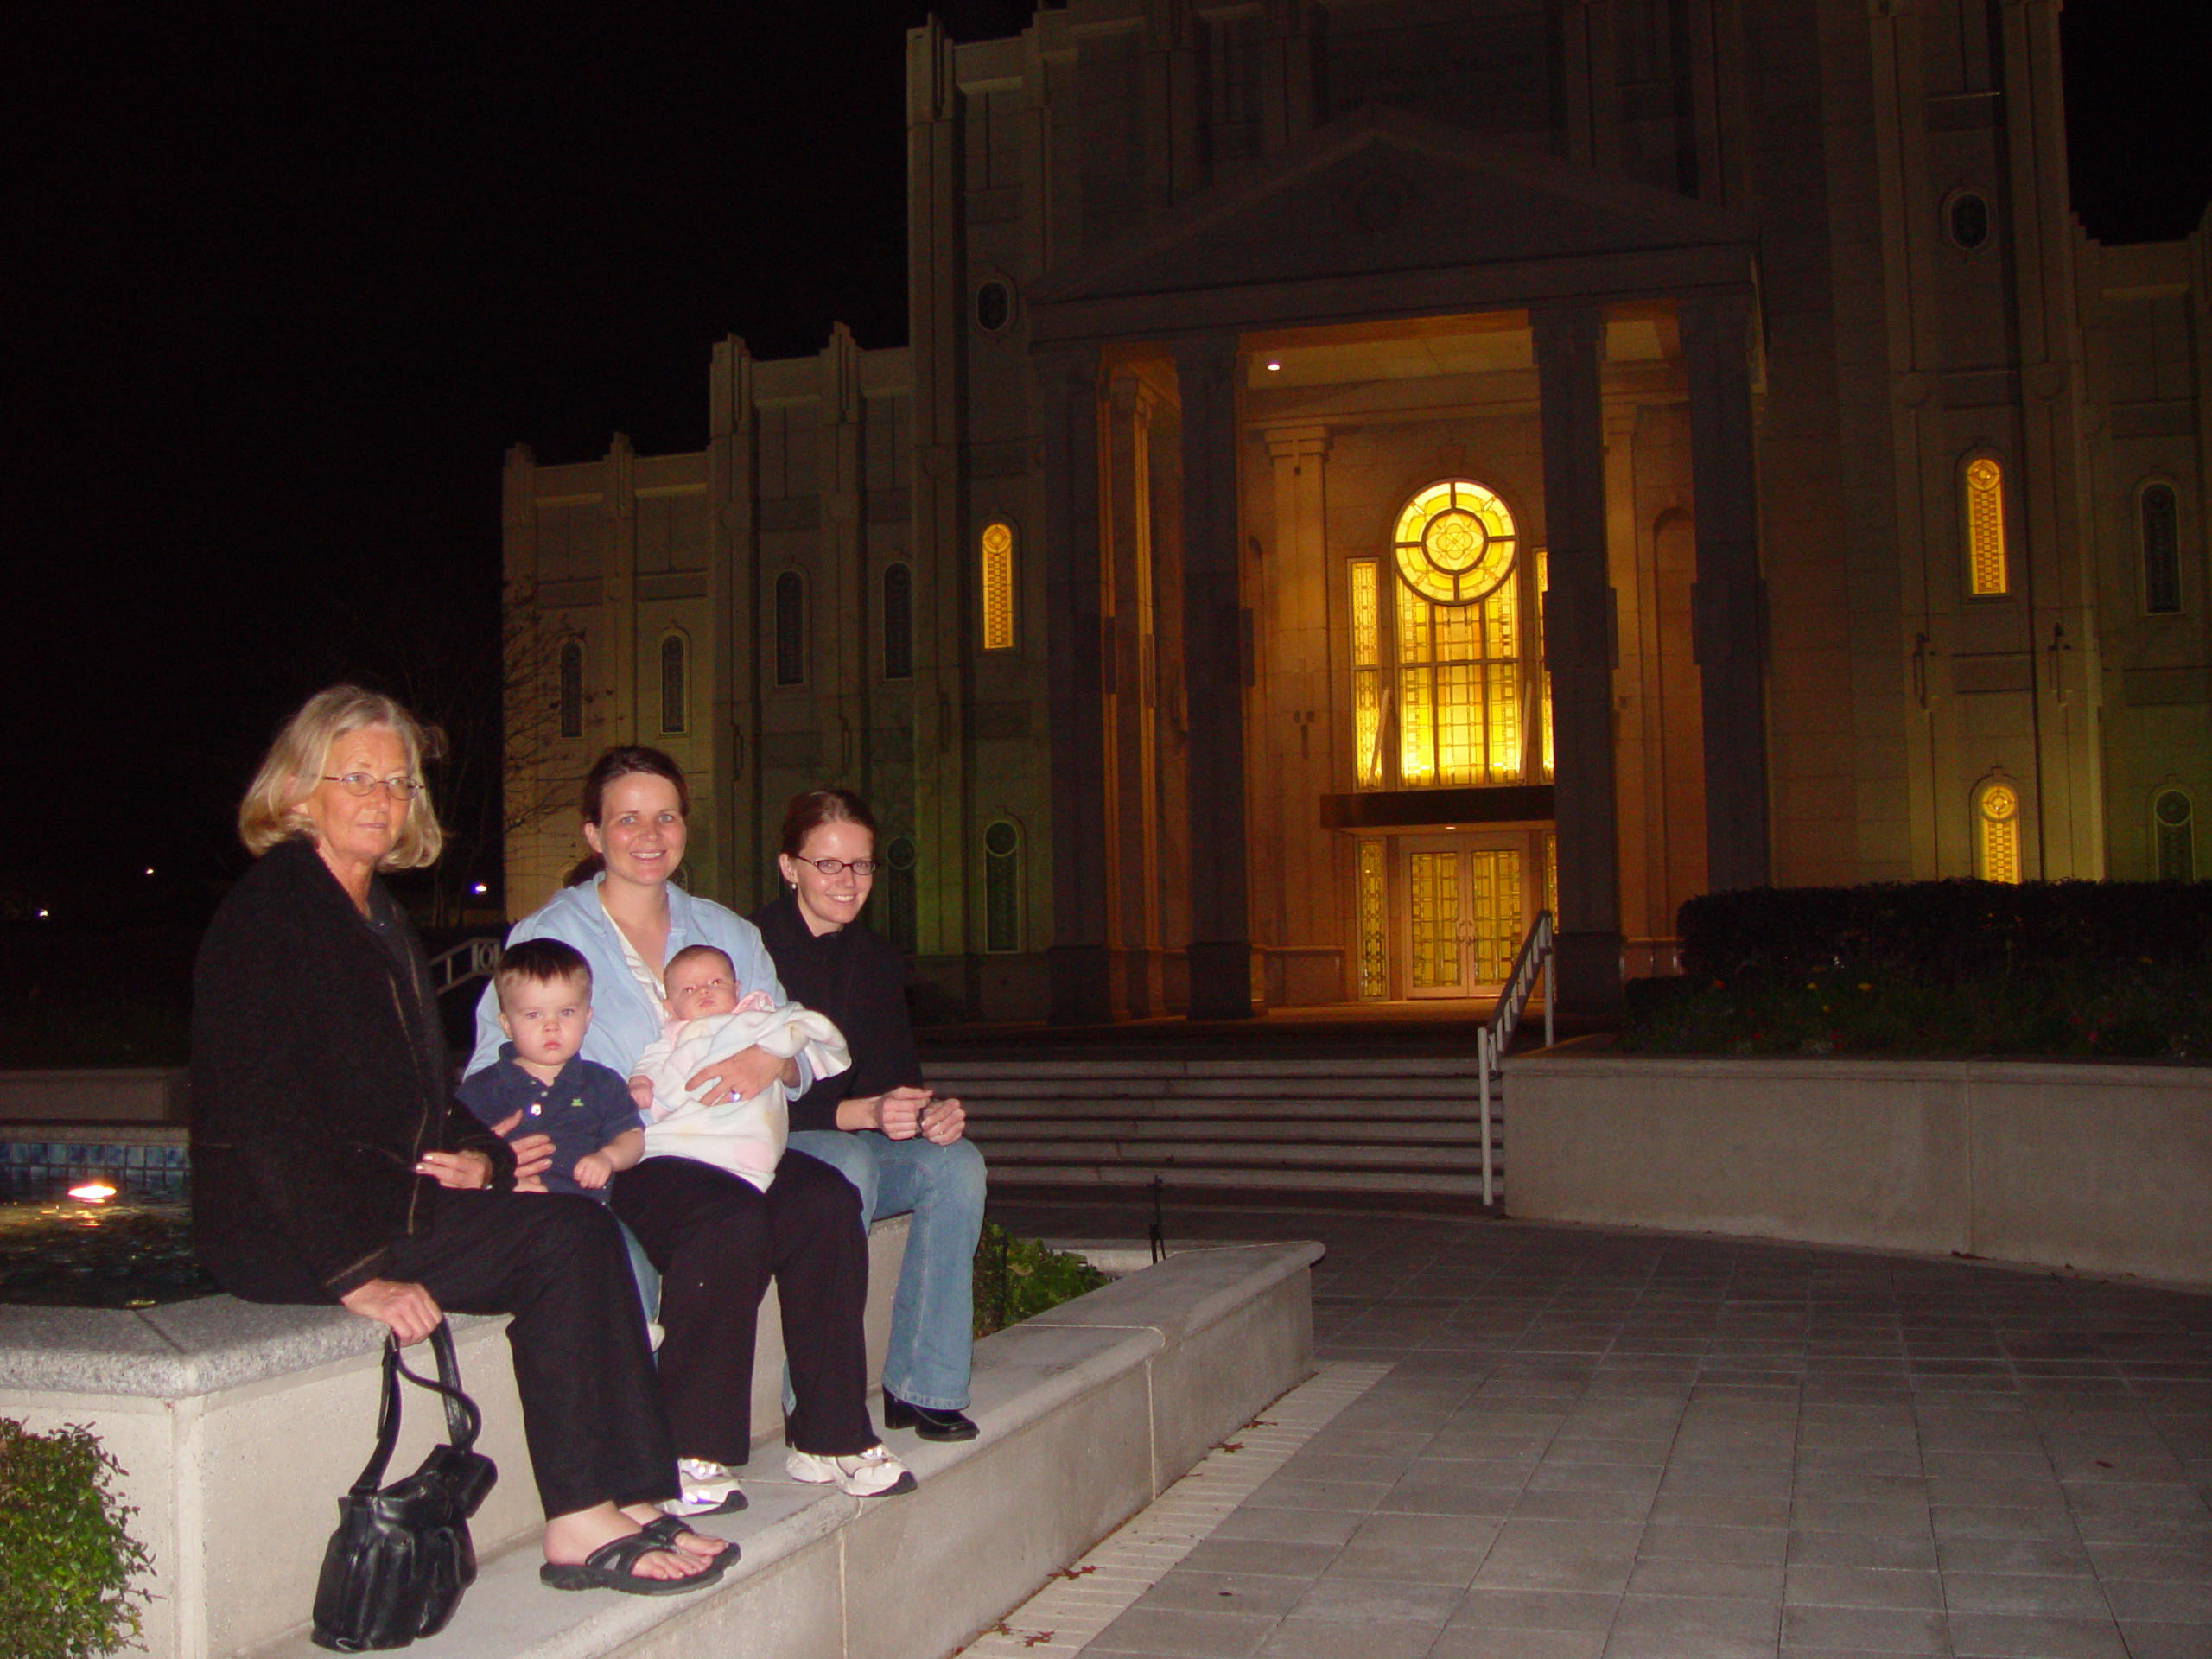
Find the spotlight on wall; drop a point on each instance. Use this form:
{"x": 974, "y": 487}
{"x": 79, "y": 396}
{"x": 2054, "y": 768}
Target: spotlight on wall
{"x": 1272, "y": 367}
{"x": 92, "y": 1192}
{"x": 479, "y": 888}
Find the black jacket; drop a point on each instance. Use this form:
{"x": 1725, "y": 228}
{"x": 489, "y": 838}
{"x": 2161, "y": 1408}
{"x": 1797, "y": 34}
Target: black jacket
{"x": 859, "y": 980}
{"x": 319, "y": 1077}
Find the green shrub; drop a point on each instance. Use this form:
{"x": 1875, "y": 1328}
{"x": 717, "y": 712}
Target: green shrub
{"x": 66, "y": 1561}
{"x": 1017, "y": 1278}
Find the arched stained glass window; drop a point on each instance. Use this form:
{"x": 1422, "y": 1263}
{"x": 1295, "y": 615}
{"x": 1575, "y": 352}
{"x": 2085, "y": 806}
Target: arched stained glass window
{"x": 2158, "y": 521}
{"x": 997, "y": 547}
{"x": 2173, "y": 832}
{"x": 1457, "y": 615}
{"x": 674, "y": 685}
{"x": 1367, "y": 676}
{"x": 790, "y": 629}
{"x": 1997, "y": 824}
{"x": 899, "y": 874}
{"x": 1002, "y": 887}
{"x": 572, "y": 687}
{"x": 1455, "y": 543}
{"x": 1985, "y": 517}
{"x": 898, "y": 622}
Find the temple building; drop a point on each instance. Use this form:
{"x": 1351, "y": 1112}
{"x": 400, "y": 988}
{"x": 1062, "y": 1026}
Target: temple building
{"x": 1365, "y": 472}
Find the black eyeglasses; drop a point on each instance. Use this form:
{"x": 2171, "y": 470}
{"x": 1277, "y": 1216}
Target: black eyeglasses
{"x": 839, "y": 866}
{"x": 364, "y": 782}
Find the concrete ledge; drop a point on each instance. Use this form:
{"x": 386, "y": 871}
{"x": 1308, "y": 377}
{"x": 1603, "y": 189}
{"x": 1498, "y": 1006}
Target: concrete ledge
{"x": 238, "y": 1425}
{"x": 2098, "y": 1168}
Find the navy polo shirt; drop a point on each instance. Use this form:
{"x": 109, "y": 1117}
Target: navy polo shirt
{"x": 582, "y": 1108}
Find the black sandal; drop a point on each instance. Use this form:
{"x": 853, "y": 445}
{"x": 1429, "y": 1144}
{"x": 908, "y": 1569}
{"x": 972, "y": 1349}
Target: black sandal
{"x": 611, "y": 1567}
{"x": 667, "y": 1529}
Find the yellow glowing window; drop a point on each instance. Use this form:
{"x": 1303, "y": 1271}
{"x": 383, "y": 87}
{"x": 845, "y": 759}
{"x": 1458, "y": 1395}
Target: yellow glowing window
{"x": 1374, "y": 924}
{"x": 1455, "y": 543}
{"x": 1458, "y": 690}
{"x": 1435, "y": 881}
{"x": 998, "y": 587}
{"x": 1367, "y": 673}
{"x": 1986, "y": 528}
{"x": 1495, "y": 878}
{"x": 1999, "y": 827}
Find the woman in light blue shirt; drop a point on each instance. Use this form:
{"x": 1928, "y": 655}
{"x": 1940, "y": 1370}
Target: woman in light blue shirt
{"x": 715, "y": 1238}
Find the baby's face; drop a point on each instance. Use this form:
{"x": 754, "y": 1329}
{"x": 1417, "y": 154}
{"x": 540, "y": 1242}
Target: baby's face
{"x": 700, "y": 987}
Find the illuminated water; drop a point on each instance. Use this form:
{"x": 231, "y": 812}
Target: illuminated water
{"x": 123, "y": 1253}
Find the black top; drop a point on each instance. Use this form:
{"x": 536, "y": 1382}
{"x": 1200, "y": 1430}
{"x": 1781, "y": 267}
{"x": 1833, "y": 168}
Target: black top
{"x": 319, "y": 1079}
{"x": 858, "y": 979}
{"x": 585, "y": 1106}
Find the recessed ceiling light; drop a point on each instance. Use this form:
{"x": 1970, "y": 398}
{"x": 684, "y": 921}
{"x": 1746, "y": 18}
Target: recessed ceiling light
{"x": 1272, "y": 367}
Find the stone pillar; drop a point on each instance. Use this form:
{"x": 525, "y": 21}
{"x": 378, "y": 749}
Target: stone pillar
{"x": 1213, "y": 668}
{"x": 1076, "y": 612}
{"x": 1728, "y": 601}
{"x": 1134, "y": 921}
{"x": 1298, "y": 870}
{"x": 1579, "y": 652}
{"x": 733, "y": 601}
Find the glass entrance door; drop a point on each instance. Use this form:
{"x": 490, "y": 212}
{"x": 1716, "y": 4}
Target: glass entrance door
{"x": 1463, "y": 912}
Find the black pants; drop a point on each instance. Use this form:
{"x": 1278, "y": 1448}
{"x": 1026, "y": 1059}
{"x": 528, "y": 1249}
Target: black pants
{"x": 717, "y": 1239}
{"x": 590, "y": 1410}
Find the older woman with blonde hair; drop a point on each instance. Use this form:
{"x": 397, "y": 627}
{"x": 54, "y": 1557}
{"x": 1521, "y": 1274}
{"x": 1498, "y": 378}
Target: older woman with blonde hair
{"x": 332, "y": 1165}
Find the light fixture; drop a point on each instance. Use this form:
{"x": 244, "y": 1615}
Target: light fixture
{"x": 92, "y": 1192}
{"x": 150, "y": 870}
{"x": 479, "y": 888}
{"x": 1272, "y": 367}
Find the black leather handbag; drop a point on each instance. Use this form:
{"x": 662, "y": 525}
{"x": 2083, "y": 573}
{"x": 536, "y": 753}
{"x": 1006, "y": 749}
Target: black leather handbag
{"x": 402, "y": 1556}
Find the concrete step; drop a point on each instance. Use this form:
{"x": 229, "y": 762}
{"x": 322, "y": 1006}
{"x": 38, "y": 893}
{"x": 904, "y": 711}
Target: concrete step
{"x": 1245, "y": 1177}
{"x": 993, "y": 1126}
{"x": 1409, "y": 1072}
{"x": 1260, "y": 1092}
{"x": 1175, "y": 1149}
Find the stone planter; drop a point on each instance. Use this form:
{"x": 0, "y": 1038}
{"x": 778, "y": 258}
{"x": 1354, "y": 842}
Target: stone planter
{"x": 2106, "y": 1168}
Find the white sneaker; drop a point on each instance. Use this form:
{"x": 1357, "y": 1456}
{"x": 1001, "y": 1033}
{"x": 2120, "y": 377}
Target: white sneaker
{"x": 872, "y": 1473}
{"x": 708, "y": 1489}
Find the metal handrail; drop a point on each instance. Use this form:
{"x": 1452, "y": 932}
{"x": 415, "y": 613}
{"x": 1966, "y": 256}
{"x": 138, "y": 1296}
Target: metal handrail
{"x": 1534, "y": 956}
{"x": 448, "y": 968}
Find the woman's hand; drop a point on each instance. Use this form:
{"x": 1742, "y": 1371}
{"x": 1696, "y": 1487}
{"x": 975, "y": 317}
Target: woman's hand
{"x": 945, "y": 1122}
{"x": 742, "y": 1075}
{"x": 899, "y": 1112}
{"x": 463, "y": 1170}
{"x": 410, "y": 1311}
{"x": 533, "y": 1154}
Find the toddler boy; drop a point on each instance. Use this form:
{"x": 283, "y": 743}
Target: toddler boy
{"x": 544, "y": 991}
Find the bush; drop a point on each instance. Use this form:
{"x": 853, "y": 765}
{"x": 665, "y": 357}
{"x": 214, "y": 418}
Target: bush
{"x": 2104, "y": 969}
{"x": 1942, "y": 932}
{"x": 1018, "y": 1278}
{"x": 66, "y": 1589}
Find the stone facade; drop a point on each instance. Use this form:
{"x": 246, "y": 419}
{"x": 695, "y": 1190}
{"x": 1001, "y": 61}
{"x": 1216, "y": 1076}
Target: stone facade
{"x": 1854, "y": 503}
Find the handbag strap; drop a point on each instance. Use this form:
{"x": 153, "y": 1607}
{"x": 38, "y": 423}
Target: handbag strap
{"x": 463, "y": 1421}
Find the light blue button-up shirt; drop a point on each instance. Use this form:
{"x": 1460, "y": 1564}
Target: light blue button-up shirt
{"x": 624, "y": 1017}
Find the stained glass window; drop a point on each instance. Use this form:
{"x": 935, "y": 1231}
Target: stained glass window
{"x": 998, "y": 587}
{"x": 572, "y": 688}
{"x": 1985, "y": 486}
{"x": 1458, "y": 690}
{"x": 1494, "y": 892}
{"x": 1367, "y": 674}
{"x": 1001, "y": 887}
{"x": 1455, "y": 543}
{"x": 898, "y": 623}
{"x": 1434, "y": 879}
{"x": 790, "y": 629}
{"x": 2170, "y": 826}
{"x": 673, "y": 685}
{"x": 1374, "y": 923}
{"x": 2160, "y": 522}
{"x": 1999, "y": 811}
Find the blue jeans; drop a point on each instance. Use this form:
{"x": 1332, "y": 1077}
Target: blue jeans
{"x": 933, "y": 1326}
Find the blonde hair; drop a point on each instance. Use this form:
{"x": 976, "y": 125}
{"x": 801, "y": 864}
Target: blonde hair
{"x": 270, "y": 811}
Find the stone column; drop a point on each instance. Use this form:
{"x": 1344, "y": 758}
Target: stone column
{"x": 1077, "y": 610}
{"x": 1297, "y": 871}
{"x": 1213, "y": 668}
{"x": 1134, "y": 922}
{"x": 1728, "y": 601}
{"x": 1579, "y": 652}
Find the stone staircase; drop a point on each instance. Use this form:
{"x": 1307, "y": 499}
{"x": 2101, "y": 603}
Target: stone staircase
{"x": 1371, "y": 1123}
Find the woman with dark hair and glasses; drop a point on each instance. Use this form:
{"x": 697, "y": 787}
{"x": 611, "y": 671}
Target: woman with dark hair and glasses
{"x": 715, "y": 1239}
{"x": 906, "y": 1149}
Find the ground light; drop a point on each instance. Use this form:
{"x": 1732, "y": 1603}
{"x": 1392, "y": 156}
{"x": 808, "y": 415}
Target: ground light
{"x": 92, "y": 1192}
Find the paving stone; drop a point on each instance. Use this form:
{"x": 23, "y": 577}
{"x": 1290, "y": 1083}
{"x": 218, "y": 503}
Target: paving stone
{"x": 1184, "y": 1635}
{"x": 1997, "y": 1635}
{"x": 1814, "y": 1585}
{"x": 1491, "y": 1608}
{"x": 1201, "y": 1592}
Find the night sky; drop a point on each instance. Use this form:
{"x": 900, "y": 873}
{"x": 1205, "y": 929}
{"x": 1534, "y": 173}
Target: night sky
{"x": 282, "y": 285}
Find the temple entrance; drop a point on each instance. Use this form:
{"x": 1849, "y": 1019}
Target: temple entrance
{"x": 1441, "y": 914}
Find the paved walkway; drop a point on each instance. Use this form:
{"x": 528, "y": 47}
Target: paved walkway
{"x": 1591, "y": 1443}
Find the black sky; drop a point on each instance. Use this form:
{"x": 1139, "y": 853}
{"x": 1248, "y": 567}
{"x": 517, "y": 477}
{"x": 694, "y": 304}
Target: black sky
{"x": 282, "y": 286}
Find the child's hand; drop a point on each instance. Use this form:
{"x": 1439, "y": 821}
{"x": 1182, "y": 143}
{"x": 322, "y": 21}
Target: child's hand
{"x": 593, "y": 1171}
{"x": 755, "y": 1003}
{"x": 641, "y": 1095}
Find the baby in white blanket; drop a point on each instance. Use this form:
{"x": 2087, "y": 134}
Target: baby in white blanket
{"x": 708, "y": 1021}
